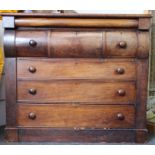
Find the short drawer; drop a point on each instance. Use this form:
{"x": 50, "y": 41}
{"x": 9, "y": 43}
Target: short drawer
{"x": 77, "y": 43}
{"x": 42, "y": 68}
{"x": 88, "y": 91}
{"x": 76, "y": 116}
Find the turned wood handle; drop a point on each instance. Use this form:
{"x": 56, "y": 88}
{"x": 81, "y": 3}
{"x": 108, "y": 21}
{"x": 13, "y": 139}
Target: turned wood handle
{"x": 121, "y": 92}
{"x": 32, "y": 91}
{"x": 32, "y": 69}
{"x": 32, "y": 115}
{"x": 120, "y": 116}
{"x": 120, "y": 70}
{"x": 122, "y": 44}
{"x": 32, "y": 43}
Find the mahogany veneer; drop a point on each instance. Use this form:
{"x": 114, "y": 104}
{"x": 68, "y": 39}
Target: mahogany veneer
{"x": 76, "y": 77}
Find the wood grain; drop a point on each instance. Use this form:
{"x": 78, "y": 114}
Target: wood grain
{"x": 75, "y": 22}
{"x": 76, "y": 69}
{"x": 142, "y": 85}
{"x": 76, "y": 91}
{"x": 23, "y": 47}
{"x": 62, "y": 135}
{"x": 113, "y": 39}
{"x": 78, "y": 43}
{"x": 76, "y": 116}
{"x": 11, "y": 96}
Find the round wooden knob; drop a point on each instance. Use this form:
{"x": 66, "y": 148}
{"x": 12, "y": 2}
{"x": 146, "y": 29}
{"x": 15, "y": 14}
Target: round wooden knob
{"x": 120, "y": 70}
{"x": 32, "y": 69}
{"x": 120, "y": 116}
{"x": 121, "y": 92}
{"x": 32, "y": 91}
{"x": 32, "y": 43}
{"x": 122, "y": 44}
{"x": 32, "y": 115}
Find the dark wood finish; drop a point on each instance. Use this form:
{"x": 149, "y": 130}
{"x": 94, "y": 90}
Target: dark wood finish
{"x": 70, "y": 135}
{"x": 11, "y": 134}
{"x": 76, "y": 91}
{"x": 76, "y": 116}
{"x": 10, "y": 78}
{"x": 114, "y": 69}
{"x": 9, "y": 43}
{"x": 11, "y": 100}
{"x": 142, "y": 84}
{"x": 75, "y": 22}
{"x": 144, "y": 23}
{"x": 144, "y": 44}
{"x": 81, "y": 44}
{"x": 77, "y": 77}
{"x": 23, "y": 40}
{"x": 78, "y": 15}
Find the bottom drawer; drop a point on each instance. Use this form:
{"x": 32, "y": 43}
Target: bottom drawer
{"x": 76, "y": 116}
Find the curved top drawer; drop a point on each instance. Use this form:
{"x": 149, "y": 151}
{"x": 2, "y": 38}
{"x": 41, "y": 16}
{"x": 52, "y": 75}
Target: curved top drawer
{"x": 76, "y": 43}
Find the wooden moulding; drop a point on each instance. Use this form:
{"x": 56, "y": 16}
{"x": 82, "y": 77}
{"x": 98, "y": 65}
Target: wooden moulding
{"x": 78, "y": 135}
{"x": 75, "y": 22}
{"x": 141, "y": 22}
{"x": 70, "y": 135}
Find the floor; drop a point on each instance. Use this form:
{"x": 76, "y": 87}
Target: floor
{"x": 150, "y": 141}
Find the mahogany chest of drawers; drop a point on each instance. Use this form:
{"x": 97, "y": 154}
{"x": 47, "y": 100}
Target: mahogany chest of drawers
{"x": 76, "y": 77}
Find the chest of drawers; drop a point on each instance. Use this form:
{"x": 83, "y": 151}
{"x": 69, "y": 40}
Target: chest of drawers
{"x": 76, "y": 77}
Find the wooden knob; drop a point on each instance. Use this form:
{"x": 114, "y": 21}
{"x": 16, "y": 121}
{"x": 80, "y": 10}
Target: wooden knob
{"x": 121, "y": 92}
{"x": 120, "y": 116}
{"x": 32, "y": 91}
{"x": 120, "y": 70}
{"x": 32, "y": 43}
{"x": 32, "y": 115}
{"x": 122, "y": 44}
{"x": 32, "y": 69}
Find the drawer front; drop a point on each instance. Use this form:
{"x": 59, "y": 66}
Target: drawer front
{"x": 81, "y": 43}
{"x": 121, "y": 44}
{"x": 76, "y": 69}
{"x": 89, "y": 91}
{"x": 69, "y": 116}
{"x": 31, "y": 43}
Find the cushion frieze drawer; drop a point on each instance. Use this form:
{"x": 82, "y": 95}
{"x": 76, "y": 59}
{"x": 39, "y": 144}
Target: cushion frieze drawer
{"x": 109, "y": 69}
{"x": 77, "y": 43}
{"x": 83, "y": 116}
{"x": 76, "y": 91}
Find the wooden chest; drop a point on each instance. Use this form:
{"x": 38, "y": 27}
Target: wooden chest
{"x": 76, "y": 77}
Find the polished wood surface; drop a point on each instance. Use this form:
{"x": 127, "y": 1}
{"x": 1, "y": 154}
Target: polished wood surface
{"x": 75, "y": 116}
{"x": 76, "y": 91}
{"x": 36, "y": 68}
{"x": 74, "y": 22}
{"x": 10, "y": 76}
{"x": 76, "y": 77}
{"x": 68, "y": 135}
{"x": 78, "y": 43}
{"x": 79, "y": 15}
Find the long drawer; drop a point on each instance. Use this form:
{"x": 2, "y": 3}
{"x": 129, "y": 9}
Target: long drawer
{"x": 108, "y": 69}
{"x": 77, "y": 43}
{"x": 76, "y": 91}
{"x": 76, "y": 116}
